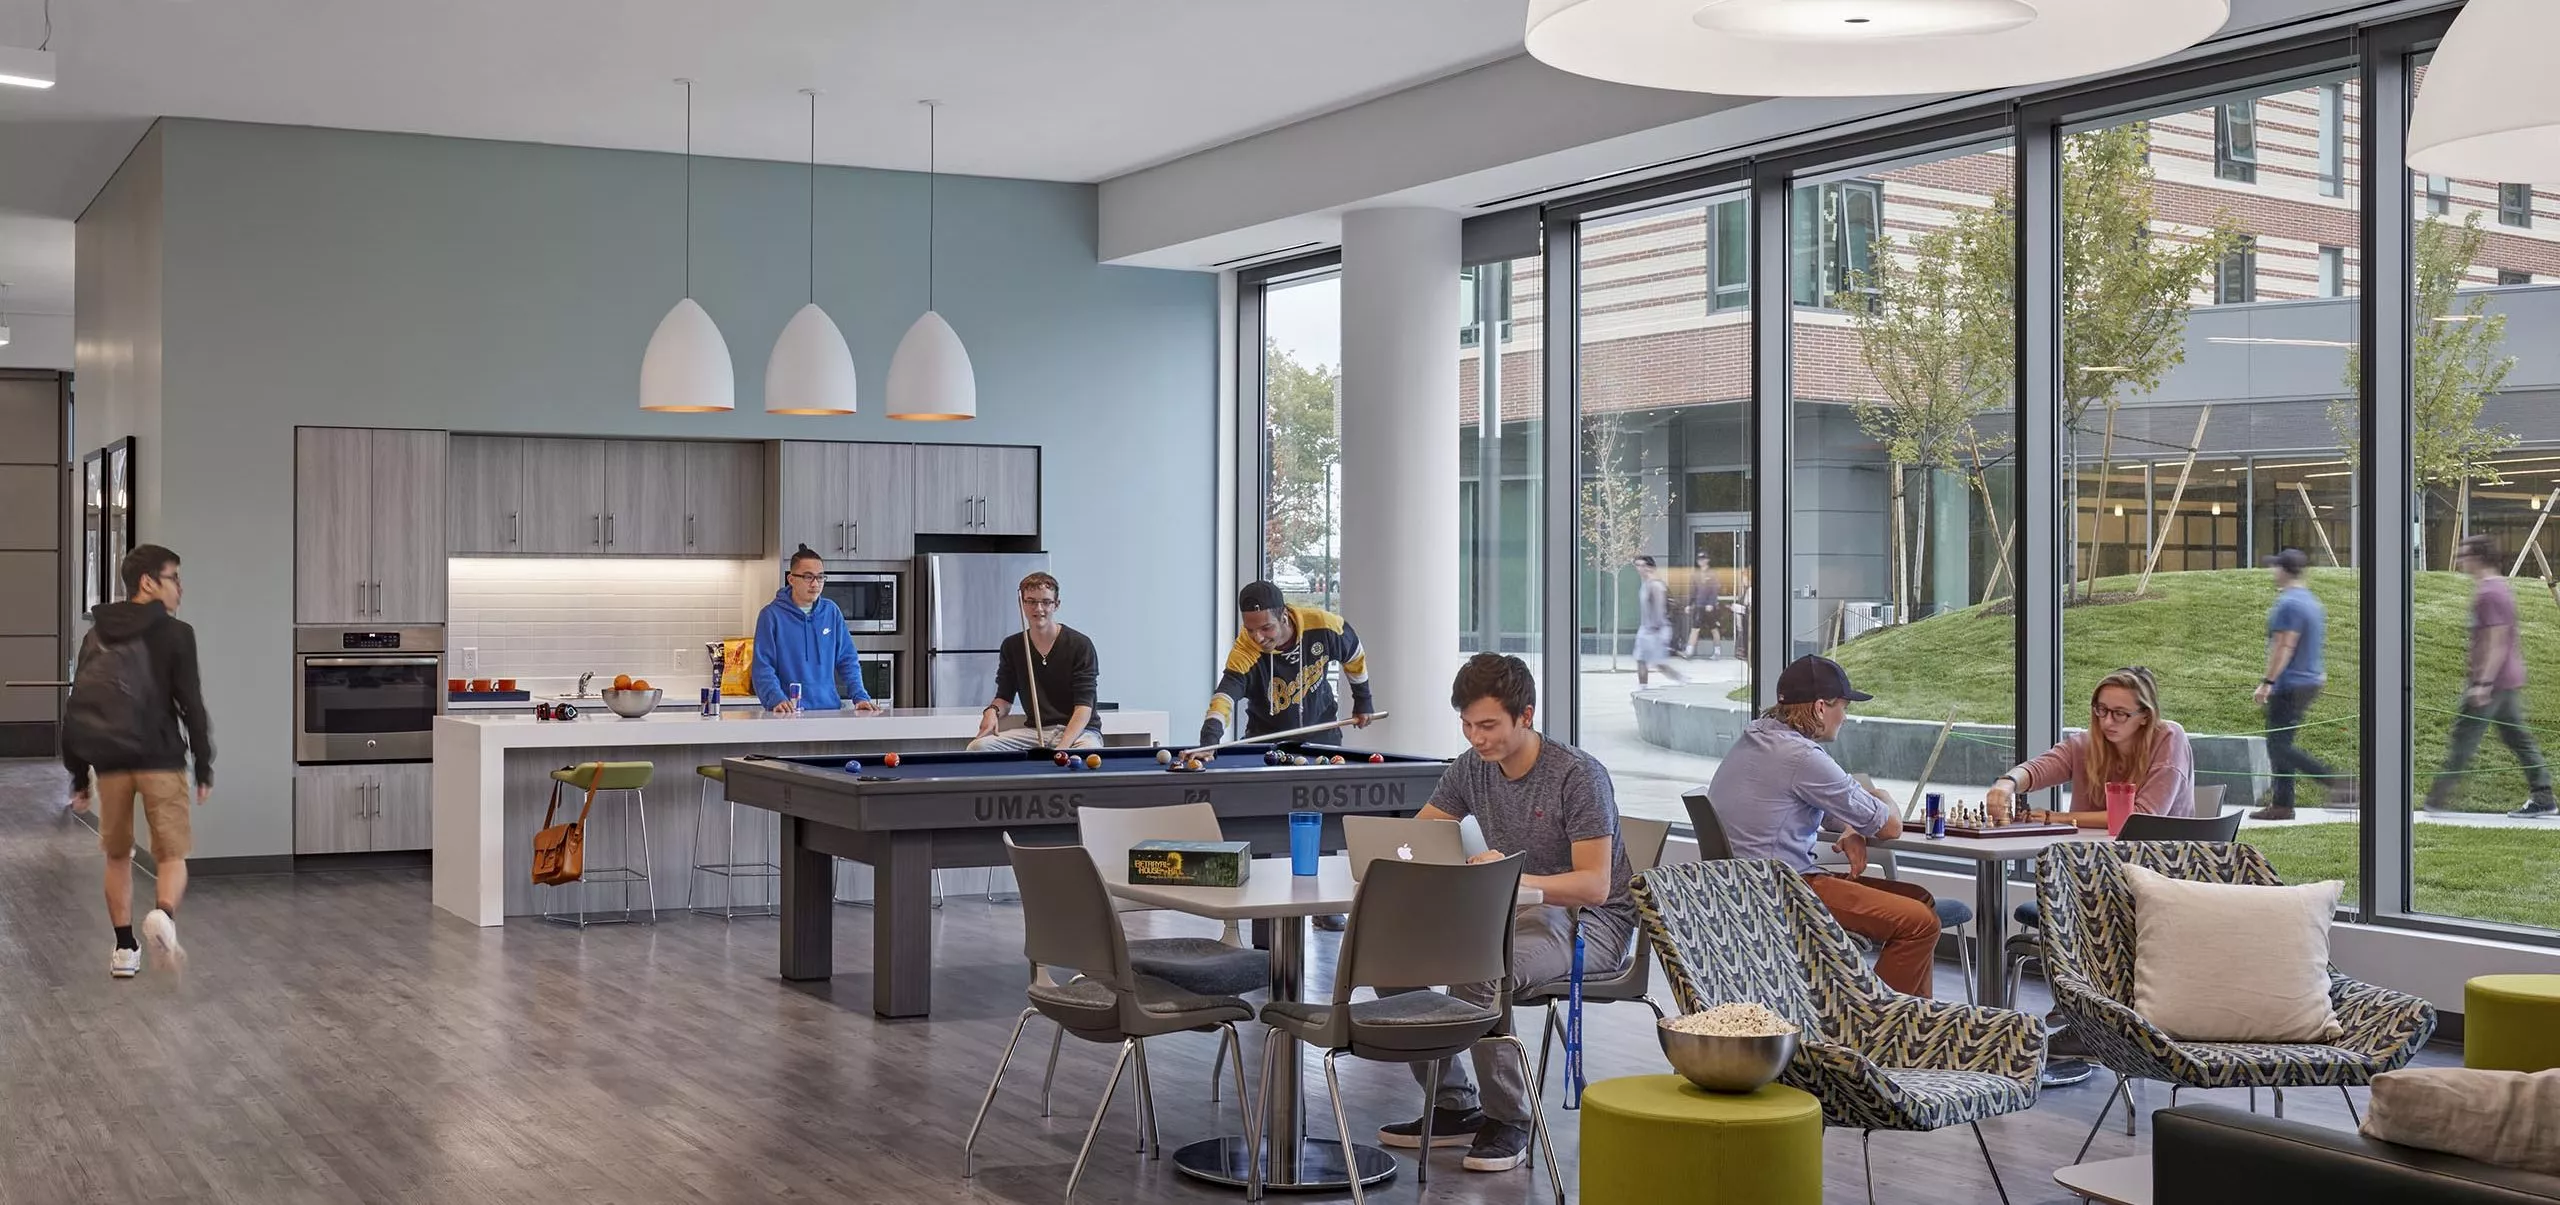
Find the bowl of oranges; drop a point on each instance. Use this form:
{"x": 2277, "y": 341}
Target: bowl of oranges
{"x": 631, "y": 698}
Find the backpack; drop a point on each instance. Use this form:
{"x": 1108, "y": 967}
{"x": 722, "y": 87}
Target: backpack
{"x": 109, "y": 719}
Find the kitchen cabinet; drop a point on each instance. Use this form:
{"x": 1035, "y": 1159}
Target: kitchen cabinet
{"x": 369, "y": 520}
{"x": 848, "y": 501}
{"x": 564, "y": 497}
{"x": 363, "y": 808}
{"x": 970, "y": 489}
{"x": 484, "y": 497}
{"x": 724, "y": 499}
{"x": 644, "y": 497}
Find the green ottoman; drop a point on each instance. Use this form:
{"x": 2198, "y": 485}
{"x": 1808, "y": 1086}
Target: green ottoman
{"x": 1661, "y": 1140}
{"x": 2511, "y": 1022}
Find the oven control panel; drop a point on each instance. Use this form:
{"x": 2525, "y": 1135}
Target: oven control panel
{"x": 369, "y": 640}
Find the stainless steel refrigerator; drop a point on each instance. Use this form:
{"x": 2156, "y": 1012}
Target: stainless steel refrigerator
{"x": 966, "y": 604}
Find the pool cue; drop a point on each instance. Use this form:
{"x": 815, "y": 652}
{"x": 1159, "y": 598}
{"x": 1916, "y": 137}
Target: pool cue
{"x": 1031, "y": 688}
{"x": 1269, "y": 738}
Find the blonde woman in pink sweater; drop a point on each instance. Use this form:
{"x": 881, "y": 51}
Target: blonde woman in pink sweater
{"x": 2126, "y": 741}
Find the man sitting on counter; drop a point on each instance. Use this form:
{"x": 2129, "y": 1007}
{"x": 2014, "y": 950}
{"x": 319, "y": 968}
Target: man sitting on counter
{"x": 1051, "y": 668}
{"x": 804, "y": 658}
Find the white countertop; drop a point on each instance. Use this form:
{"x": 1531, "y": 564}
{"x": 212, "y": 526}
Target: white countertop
{"x": 745, "y": 726}
{"x": 688, "y": 703}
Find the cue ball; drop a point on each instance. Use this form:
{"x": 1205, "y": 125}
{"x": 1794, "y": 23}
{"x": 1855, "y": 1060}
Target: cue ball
{"x": 853, "y": 767}
{"x": 1093, "y": 761}
{"x": 1164, "y": 757}
{"x": 1377, "y": 759}
{"x": 890, "y": 760}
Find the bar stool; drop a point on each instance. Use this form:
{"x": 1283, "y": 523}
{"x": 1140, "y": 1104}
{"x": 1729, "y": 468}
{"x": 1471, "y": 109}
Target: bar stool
{"x": 628, "y": 783}
{"x": 728, "y": 871}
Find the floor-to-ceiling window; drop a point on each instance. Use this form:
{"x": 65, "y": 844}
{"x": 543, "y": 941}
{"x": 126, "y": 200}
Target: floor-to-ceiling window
{"x": 1500, "y": 561}
{"x": 1903, "y": 420}
{"x": 1665, "y": 387}
{"x": 1302, "y": 489}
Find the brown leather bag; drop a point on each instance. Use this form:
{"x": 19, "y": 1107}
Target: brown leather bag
{"x": 560, "y": 850}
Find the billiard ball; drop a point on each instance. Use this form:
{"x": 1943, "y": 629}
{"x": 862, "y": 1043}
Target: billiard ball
{"x": 1337, "y": 759}
{"x": 853, "y": 767}
{"x": 1299, "y": 760}
{"x": 890, "y": 760}
{"x": 1072, "y": 764}
{"x": 1059, "y": 757}
{"x": 1191, "y": 764}
{"x": 1164, "y": 757}
{"x": 1093, "y": 761}
{"x": 1377, "y": 759}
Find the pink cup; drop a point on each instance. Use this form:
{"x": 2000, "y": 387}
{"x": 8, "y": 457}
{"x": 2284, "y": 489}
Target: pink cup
{"x": 2120, "y": 796}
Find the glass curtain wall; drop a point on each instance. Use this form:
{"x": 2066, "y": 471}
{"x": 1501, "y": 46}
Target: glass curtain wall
{"x": 1302, "y": 495}
{"x": 1665, "y": 385}
{"x": 1500, "y": 367}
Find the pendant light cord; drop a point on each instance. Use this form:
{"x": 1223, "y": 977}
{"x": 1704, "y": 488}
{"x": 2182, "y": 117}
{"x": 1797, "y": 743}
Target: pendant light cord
{"x": 813, "y": 194}
{"x": 932, "y": 166}
{"x": 688, "y": 186}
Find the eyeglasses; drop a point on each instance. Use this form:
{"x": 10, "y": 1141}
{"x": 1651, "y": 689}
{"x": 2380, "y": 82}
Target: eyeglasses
{"x": 1042, "y": 603}
{"x": 808, "y": 577}
{"x": 2118, "y": 714}
{"x": 170, "y": 577}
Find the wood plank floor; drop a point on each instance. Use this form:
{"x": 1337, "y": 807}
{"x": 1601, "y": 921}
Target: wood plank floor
{"x": 336, "y": 1040}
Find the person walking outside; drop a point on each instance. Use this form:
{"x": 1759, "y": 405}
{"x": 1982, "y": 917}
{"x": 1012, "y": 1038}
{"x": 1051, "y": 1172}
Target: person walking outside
{"x": 1653, "y": 624}
{"x": 2493, "y": 693}
{"x": 135, "y": 687}
{"x": 1706, "y": 610}
{"x": 2297, "y": 633}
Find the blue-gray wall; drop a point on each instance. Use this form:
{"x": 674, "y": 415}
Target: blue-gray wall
{"x": 332, "y": 277}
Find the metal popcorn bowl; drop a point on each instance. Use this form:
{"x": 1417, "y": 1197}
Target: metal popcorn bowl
{"x": 1724, "y": 1064}
{"x": 633, "y": 704}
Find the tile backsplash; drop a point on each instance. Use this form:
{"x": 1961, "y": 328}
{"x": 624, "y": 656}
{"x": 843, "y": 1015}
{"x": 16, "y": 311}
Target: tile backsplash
{"x": 544, "y": 622}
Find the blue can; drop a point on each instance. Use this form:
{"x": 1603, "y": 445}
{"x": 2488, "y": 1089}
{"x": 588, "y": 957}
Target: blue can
{"x": 711, "y": 702}
{"x": 1937, "y": 813}
{"x": 1306, "y": 833}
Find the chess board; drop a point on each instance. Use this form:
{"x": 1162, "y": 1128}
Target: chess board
{"x": 1980, "y": 832}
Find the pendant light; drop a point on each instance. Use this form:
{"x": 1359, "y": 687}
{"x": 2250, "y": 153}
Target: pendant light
{"x": 2490, "y": 109}
{"x": 1860, "y": 47}
{"x": 930, "y": 379}
{"x": 811, "y": 369}
{"x": 686, "y": 369}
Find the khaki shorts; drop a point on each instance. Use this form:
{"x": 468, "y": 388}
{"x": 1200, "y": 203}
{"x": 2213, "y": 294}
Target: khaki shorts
{"x": 164, "y": 805}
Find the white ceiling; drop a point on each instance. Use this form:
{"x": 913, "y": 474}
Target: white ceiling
{"x": 1047, "y": 89}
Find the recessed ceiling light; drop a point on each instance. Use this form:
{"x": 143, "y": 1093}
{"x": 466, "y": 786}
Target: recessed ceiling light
{"x": 2253, "y": 341}
{"x": 24, "y": 68}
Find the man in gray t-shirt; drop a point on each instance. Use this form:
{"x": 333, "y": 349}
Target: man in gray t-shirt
{"x": 1551, "y": 804}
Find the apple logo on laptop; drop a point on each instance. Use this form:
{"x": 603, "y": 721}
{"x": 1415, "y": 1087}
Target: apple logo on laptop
{"x": 1404, "y": 852}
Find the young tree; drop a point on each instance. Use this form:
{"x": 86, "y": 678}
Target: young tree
{"x": 1305, "y": 441}
{"x": 1617, "y": 510}
{"x": 2456, "y": 361}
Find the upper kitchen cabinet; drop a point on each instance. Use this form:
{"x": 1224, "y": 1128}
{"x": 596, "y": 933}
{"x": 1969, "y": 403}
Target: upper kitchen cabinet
{"x": 606, "y": 497}
{"x": 847, "y": 501}
{"x": 644, "y": 489}
{"x": 974, "y": 490}
{"x": 724, "y": 499}
{"x": 564, "y": 497}
{"x": 484, "y": 499}
{"x": 369, "y": 526}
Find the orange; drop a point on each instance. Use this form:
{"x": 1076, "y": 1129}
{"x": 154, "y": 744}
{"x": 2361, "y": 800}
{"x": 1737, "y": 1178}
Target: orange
{"x": 622, "y": 681}
{"x": 639, "y": 684}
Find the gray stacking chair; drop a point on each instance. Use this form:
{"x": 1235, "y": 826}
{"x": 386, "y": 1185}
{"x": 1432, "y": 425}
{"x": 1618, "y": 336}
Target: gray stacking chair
{"x": 1414, "y": 922}
{"x": 1068, "y": 921}
{"x": 1631, "y": 983}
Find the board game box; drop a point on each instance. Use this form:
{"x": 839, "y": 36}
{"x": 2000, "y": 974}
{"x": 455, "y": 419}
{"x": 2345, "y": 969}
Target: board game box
{"x": 1191, "y": 863}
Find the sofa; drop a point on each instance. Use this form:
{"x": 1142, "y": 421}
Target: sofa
{"x": 2216, "y": 1155}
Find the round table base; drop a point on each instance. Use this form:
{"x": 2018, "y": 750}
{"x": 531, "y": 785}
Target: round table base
{"x": 1320, "y": 1165}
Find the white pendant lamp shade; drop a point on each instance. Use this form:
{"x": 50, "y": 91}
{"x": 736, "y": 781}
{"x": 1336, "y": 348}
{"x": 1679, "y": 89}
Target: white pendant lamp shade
{"x": 686, "y": 369}
{"x": 930, "y": 379}
{"x": 1860, "y": 47}
{"x": 2489, "y": 108}
{"x": 811, "y": 369}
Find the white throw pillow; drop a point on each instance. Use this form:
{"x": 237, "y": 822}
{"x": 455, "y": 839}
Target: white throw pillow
{"x": 2214, "y": 962}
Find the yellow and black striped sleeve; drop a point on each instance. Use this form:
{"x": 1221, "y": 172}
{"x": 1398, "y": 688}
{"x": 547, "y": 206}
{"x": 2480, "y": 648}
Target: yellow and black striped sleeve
{"x": 1229, "y": 701}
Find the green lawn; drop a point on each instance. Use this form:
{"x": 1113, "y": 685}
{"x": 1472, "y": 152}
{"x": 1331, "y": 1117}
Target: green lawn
{"x": 2204, "y": 636}
{"x": 2492, "y": 874}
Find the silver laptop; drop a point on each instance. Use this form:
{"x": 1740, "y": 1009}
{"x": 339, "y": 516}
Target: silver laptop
{"x": 1403, "y": 839}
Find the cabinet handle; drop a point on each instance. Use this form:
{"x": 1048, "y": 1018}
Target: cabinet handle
{"x": 688, "y": 531}
{"x": 854, "y": 531}
{"x": 839, "y": 537}
{"x": 598, "y": 520}
{"x": 359, "y": 599}
{"x": 515, "y": 527}
{"x": 608, "y": 531}
{"x": 964, "y": 512}
{"x": 377, "y": 599}
{"x": 377, "y": 800}
{"x": 982, "y": 513}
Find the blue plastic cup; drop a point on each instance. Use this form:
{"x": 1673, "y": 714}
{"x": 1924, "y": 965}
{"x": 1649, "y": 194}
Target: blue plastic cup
{"x": 1306, "y": 834}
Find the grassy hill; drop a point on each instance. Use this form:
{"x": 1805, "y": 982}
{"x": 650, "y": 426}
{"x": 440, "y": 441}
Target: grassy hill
{"x": 2204, "y": 636}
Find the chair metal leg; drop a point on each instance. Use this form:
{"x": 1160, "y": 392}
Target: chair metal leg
{"x": 1101, "y": 1109}
{"x": 1996, "y": 1185}
{"x": 1546, "y": 1040}
{"x": 1867, "y": 1163}
{"x": 2105, "y": 1107}
{"x": 968, "y": 1149}
{"x": 2132, "y": 1089}
{"x": 1650, "y": 1003}
{"x": 1234, "y": 1045}
{"x": 648, "y": 864}
{"x": 1147, "y": 1144}
{"x": 1254, "y": 1135}
{"x": 1218, "y": 1065}
{"x": 2253, "y": 1099}
{"x": 2351, "y": 1104}
{"x": 2173, "y": 1096}
{"x": 2279, "y": 1102}
{"x": 1964, "y": 959}
{"x": 1538, "y": 1123}
{"x": 1430, "y": 1105}
{"x": 1342, "y": 1121}
{"x": 1051, "y": 1079}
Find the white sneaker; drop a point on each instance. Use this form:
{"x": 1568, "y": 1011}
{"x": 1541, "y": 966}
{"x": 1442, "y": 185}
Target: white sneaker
{"x": 125, "y": 964}
{"x": 162, "y": 932}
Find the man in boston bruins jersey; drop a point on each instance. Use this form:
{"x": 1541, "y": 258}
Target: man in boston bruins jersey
{"x": 1280, "y": 672}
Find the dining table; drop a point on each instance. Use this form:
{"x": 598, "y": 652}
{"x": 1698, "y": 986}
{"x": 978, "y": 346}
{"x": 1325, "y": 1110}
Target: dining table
{"x": 1292, "y": 1162}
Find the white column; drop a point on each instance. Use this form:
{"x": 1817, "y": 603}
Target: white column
{"x": 1399, "y": 415}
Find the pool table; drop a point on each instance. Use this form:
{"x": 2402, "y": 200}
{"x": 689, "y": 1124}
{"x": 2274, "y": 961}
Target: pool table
{"x": 947, "y": 809}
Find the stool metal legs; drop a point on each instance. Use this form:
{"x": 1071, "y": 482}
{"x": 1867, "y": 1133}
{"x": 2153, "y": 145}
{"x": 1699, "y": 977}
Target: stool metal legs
{"x": 730, "y": 868}
{"x": 635, "y": 808}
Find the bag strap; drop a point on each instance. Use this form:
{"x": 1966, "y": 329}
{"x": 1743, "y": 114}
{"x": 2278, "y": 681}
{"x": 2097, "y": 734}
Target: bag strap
{"x": 554, "y": 806}
{"x": 589, "y": 806}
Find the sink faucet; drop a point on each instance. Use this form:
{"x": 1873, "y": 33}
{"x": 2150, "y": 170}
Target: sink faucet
{"x": 583, "y": 679}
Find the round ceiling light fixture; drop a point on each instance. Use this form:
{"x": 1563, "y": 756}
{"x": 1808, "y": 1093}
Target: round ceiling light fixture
{"x": 1860, "y": 47}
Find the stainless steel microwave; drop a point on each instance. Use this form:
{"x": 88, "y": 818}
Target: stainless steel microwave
{"x": 869, "y": 600}
{"x": 366, "y": 694}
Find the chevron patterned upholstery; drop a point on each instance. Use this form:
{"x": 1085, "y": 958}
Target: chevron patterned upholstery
{"x": 2088, "y": 951}
{"x": 1750, "y": 931}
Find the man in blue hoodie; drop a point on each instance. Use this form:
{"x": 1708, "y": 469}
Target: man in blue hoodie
{"x": 800, "y": 638}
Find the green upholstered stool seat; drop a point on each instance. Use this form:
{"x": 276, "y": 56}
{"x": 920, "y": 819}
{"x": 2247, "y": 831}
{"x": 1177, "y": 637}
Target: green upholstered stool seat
{"x": 2511, "y": 1022}
{"x": 1662, "y": 1140}
{"x": 715, "y": 772}
{"x": 616, "y": 776}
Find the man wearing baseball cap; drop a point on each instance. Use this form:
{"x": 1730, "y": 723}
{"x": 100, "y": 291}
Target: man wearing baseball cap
{"x": 2297, "y": 631}
{"x": 1776, "y": 787}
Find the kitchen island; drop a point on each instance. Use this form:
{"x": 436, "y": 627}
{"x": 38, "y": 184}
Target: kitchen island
{"x": 492, "y": 778}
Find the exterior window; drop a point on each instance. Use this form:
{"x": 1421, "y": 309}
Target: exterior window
{"x": 2515, "y": 205}
{"x": 2509, "y": 276}
{"x": 1470, "y": 280}
{"x": 2235, "y": 141}
{"x": 1834, "y": 237}
{"x": 2439, "y": 194}
{"x": 1728, "y": 256}
{"x": 2237, "y": 282}
{"x": 2333, "y": 142}
{"x": 2333, "y": 271}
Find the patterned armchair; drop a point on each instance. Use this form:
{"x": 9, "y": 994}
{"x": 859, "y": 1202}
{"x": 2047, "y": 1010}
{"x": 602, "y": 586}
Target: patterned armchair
{"x": 1750, "y": 931}
{"x": 2088, "y": 958}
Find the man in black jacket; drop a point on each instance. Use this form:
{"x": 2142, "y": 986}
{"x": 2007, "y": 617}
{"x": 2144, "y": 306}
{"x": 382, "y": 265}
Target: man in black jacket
{"x": 137, "y": 682}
